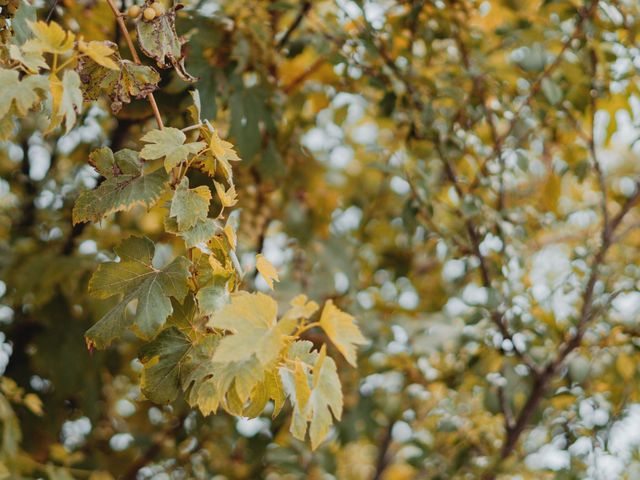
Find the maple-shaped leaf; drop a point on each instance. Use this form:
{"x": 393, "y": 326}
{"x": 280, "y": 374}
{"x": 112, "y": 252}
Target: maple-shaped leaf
{"x": 158, "y": 39}
{"x": 121, "y": 85}
{"x": 220, "y": 152}
{"x": 21, "y": 94}
{"x": 301, "y": 308}
{"x": 252, "y": 319}
{"x": 169, "y": 143}
{"x": 190, "y": 205}
{"x": 228, "y": 198}
{"x": 99, "y": 52}
{"x": 267, "y": 270}
{"x": 314, "y": 409}
{"x": 126, "y": 185}
{"x": 341, "y": 328}
{"x": 31, "y": 62}
{"x": 66, "y": 99}
{"x": 48, "y": 38}
{"x": 163, "y": 360}
{"x": 135, "y": 277}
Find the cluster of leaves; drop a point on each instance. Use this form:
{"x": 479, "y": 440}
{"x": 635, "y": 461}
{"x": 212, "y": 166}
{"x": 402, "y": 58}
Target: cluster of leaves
{"x": 206, "y": 339}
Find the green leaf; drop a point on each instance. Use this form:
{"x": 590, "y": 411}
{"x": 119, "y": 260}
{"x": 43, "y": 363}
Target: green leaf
{"x": 158, "y": 39}
{"x": 20, "y": 24}
{"x": 190, "y": 205}
{"x": 341, "y": 328}
{"x": 252, "y": 319}
{"x": 121, "y": 85}
{"x": 212, "y": 298}
{"x": 169, "y": 143}
{"x": 312, "y": 410}
{"x": 135, "y": 278}
{"x": 163, "y": 359}
{"x": 126, "y": 186}
{"x": 22, "y": 94}
{"x": 201, "y": 233}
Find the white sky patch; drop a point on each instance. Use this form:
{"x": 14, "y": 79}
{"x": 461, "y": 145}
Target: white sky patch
{"x": 626, "y": 306}
{"x": 120, "y": 441}
{"x": 250, "y": 427}
{"x": 399, "y": 185}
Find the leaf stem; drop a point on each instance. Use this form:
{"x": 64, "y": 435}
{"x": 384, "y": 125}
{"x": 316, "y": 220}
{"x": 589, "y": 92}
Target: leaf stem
{"x": 309, "y": 326}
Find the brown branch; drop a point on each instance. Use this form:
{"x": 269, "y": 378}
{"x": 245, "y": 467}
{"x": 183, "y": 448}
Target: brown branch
{"x": 304, "y": 9}
{"x": 382, "y": 461}
{"x": 541, "y": 383}
{"x": 136, "y": 58}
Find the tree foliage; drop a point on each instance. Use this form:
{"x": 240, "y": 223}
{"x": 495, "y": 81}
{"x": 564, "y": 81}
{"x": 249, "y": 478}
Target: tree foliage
{"x": 202, "y": 205}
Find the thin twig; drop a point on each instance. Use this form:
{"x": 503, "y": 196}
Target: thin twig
{"x": 304, "y": 9}
{"x": 136, "y": 58}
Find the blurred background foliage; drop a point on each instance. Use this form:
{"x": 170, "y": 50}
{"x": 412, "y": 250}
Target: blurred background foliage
{"x": 447, "y": 171}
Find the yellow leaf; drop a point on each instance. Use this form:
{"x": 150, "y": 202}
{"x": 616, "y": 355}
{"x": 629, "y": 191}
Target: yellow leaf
{"x": 217, "y": 267}
{"x": 267, "y": 270}
{"x": 99, "y": 52}
{"x": 51, "y": 38}
{"x": 230, "y": 233}
{"x": 33, "y": 403}
{"x": 301, "y": 307}
{"x": 625, "y": 366}
{"x": 222, "y": 149}
{"x": 204, "y": 192}
{"x": 228, "y": 198}
{"x": 66, "y": 98}
{"x": 341, "y": 328}
{"x": 303, "y": 392}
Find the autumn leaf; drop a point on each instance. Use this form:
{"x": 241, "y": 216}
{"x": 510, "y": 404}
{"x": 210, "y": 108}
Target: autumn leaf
{"x": 267, "y": 270}
{"x": 158, "y": 39}
{"x": 99, "y": 52}
{"x": 66, "y": 99}
{"x": 170, "y": 144}
{"x": 48, "y": 38}
{"x": 313, "y": 410}
{"x": 228, "y": 198}
{"x": 21, "y": 94}
{"x": 121, "y": 85}
{"x": 32, "y": 62}
{"x": 341, "y": 328}
{"x": 253, "y": 326}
